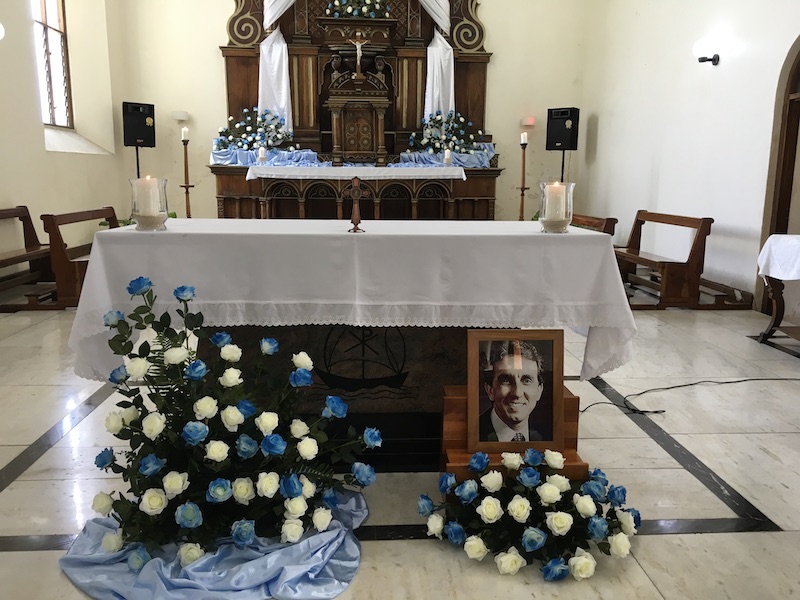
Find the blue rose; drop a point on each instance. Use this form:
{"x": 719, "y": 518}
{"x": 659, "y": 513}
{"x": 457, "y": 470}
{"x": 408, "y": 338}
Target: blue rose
{"x": 597, "y": 528}
{"x": 291, "y": 487}
{"x": 138, "y": 559}
{"x": 151, "y": 464}
{"x": 112, "y": 317}
{"x": 104, "y": 459}
{"x": 184, "y": 293}
{"x": 616, "y": 495}
{"x": 188, "y": 516}
{"x": 246, "y": 408}
{"x": 246, "y": 447}
{"x": 269, "y": 346}
{"x": 424, "y": 505}
{"x": 447, "y": 482}
{"x": 455, "y": 533}
{"x": 595, "y": 489}
{"x": 219, "y": 490}
{"x": 273, "y": 444}
{"x": 364, "y": 474}
{"x": 533, "y": 457}
{"x": 243, "y": 532}
{"x": 335, "y": 407}
{"x": 220, "y": 339}
{"x": 195, "y": 371}
{"x": 139, "y": 286}
{"x": 329, "y": 498}
{"x": 467, "y": 491}
{"x": 300, "y": 378}
{"x": 599, "y": 476}
{"x": 478, "y": 462}
{"x": 637, "y": 518}
{"x": 118, "y": 375}
{"x": 533, "y": 538}
{"x": 529, "y": 477}
{"x": 555, "y": 569}
{"x": 194, "y": 432}
{"x": 372, "y": 437}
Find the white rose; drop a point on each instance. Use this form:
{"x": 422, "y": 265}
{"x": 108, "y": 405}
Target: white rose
{"x": 620, "y": 545}
{"x": 309, "y": 488}
{"x": 291, "y": 531}
{"x": 176, "y": 356}
{"x": 102, "y": 503}
{"x": 205, "y": 408}
{"x": 559, "y": 522}
{"x": 129, "y": 415}
{"x": 584, "y": 505}
{"x": 230, "y": 353}
{"x": 267, "y": 422}
{"x": 561, "y": 482}
{"x": 321, "y": 518}
{"x": 298, "y": 428}
{"x": 295, "y": 507}
{"x": 436, "y": 525}
{"x": 188, "y": 553}
{"x": 217, "y": 451}
{"x": 243, "y": 490}
{"x": 554, "y": 460}
{"x": 475, "y": 547}
{"x": 268, "y": 484}
{"x": 548, "y": 493}
{"x": 137, "y": 368}
{"x": 175, "y": 483}
{"x": 112, "y": 542}
{"x": 153, "y": 424}
{"x": 230, "y": 378}
{"x": 308, "y": 448}
{"x": 153, "y": 502}
{"x": 519, "y": 508}
{"x": 626, "y": 522}
{"x": 490, "y": 509}
{"x": 582, "y": 565}
{"x": 231, "y": 417}
{"x": 512, "y": 460}
{"x": 302, "y": 361}
{"x": 114, "y": 423}
{"x": 508, "y": 563}
{"x": 492, "y": 481}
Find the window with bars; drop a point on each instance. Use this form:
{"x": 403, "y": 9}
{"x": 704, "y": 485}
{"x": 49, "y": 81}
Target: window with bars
{"x": 52, "y": 60}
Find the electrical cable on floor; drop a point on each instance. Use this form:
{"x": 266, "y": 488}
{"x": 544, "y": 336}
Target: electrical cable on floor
{"x": 631, "y": 409}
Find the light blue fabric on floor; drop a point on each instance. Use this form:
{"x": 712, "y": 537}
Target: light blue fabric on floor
{"x": 319, "y": 566}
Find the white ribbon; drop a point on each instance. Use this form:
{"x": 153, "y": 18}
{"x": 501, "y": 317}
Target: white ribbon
{"x": 274, "y": 91}
{"x": 439, "y": 10}
{"x": 440, "y": 83}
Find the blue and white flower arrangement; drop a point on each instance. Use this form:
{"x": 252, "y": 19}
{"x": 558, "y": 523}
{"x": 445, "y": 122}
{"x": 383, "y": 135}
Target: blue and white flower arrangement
{"x": 254, "y": 130}
{"x": 451, "y": 131}
{"x": 218, "y": 453}
{"x": 364, "y": 9}
{"x": 525, "y": 511}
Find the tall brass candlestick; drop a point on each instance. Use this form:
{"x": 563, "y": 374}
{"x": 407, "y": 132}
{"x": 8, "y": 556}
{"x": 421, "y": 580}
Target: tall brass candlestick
{"x": 185, "y": 185}
{"x": 522, "y": 187}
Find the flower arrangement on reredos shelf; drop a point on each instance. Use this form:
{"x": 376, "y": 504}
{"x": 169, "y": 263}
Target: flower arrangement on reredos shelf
{"x": 224, "y": 483}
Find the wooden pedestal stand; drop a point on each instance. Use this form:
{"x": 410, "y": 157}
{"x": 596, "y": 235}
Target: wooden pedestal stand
{"x": 455, "y": 455}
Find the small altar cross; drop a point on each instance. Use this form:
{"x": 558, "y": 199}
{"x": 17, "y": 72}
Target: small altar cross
{"x": 355, "y": 194}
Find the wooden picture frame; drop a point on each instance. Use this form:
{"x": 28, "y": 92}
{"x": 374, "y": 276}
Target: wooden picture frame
{"x": 503, "y": 364}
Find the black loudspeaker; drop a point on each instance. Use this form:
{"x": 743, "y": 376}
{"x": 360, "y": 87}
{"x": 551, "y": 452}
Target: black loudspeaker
{"x": 139, "y": 124}
{"x": 562, "y": 128}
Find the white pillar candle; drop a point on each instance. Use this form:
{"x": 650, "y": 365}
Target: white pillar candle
{"x": 523, "y": 137}
{"x": 184, "y": 134}
{"x": 448, "y": 155}
{"x": 147, "y": 197}
{"x": 555, "y": 198}
{"x": 262, "y": 152}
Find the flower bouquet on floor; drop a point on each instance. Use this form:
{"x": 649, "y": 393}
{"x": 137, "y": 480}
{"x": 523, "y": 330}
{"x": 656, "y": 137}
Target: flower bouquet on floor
{"x": 531, "y": 513}
{"x": 218, "y": 456}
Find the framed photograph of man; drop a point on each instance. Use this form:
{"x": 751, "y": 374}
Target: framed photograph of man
{"x": 515, "y": 389}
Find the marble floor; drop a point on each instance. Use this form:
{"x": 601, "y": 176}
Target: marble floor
{"x": 716, "y": 475}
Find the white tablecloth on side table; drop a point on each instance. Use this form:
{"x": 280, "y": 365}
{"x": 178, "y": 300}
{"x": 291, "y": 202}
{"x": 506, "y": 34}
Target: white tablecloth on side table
{"x": 498, "y": 274}
{"x": 780, "y": 257}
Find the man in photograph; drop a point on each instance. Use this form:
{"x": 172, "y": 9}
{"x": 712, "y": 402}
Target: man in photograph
{"x": 514, "y": 385}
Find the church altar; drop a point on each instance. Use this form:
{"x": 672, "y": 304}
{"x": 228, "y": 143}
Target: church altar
{"x": 502, "y": 274}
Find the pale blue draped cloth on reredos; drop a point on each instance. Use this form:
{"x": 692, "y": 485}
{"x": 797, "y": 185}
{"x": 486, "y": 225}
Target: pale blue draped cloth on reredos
{"x": 320, "y": 566}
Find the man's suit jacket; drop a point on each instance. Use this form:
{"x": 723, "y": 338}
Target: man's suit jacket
{"x": 486, "y": 432}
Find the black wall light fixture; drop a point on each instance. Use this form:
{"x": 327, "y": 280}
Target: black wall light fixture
{"x": 714, "y": 60}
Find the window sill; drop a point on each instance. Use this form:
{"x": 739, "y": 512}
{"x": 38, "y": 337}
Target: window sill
{"x": 58, "y": 139}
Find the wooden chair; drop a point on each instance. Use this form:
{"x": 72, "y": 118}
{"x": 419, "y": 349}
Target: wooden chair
{"x": 69, "y": 264}
{"x": 603, "y": 225}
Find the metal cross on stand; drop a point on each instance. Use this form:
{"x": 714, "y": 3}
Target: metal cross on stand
{"x": 355, "y": 193}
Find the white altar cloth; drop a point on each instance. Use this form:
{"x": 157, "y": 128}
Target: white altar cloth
{"x": 365, "y": 173}
{"x": 780, "y": 257}
{"x": 498, "y": 274}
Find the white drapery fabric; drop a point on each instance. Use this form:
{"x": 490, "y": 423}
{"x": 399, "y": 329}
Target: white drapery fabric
{"x": 439, "y": 10}
{"x": 440, "y": 84}
{"x": 273, "y": 9}
{"x": 274, "y": 91}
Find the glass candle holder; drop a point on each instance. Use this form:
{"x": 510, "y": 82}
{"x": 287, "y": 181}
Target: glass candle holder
{"x": 149, "y": 203}
{"x": 555, "y": 209}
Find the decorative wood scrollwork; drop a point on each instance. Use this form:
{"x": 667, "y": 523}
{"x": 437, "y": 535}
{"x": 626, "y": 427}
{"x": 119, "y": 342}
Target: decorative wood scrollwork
{"x": 244, "y": 26}
{"x": 468, "y": 32}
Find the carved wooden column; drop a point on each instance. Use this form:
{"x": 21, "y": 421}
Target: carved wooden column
{"x": 414, "y": 203}
{"x": 336, "y": 125}
{"x": 381, "y": 137}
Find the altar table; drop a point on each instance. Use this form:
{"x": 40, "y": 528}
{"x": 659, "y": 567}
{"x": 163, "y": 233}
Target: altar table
{"x": 497, "y": 274}
{"x": 779, "y": 261}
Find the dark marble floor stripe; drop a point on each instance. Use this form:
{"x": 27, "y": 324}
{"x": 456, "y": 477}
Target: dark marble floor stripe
{"x": 36, "y": 543}
{"x": 23, "y": 461}
{"x": 771, "y": 342}
{"x": 730, "y": 525}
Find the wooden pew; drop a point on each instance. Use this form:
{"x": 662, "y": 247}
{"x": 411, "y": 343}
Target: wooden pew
{"x": 69, "y": 264}
{"x": 35, "y": 254}
{"x": 603, "y": 225}
{"x": 677, "y": 283}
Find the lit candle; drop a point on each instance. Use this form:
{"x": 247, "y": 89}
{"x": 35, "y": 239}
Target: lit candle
{"x": 448, "y": 156}
{"x": 555, "y": 199}
{"x": 184, "y": 134}
{"x": 147, "y": 196}
{"x": 262, "y": 153}
{"x": 523, "y": 137}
